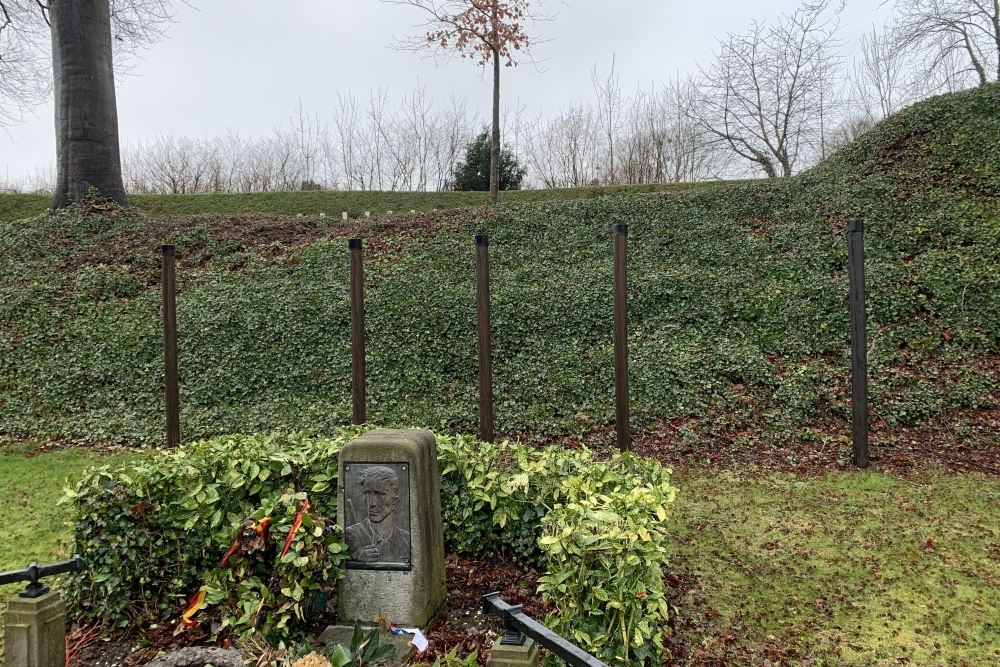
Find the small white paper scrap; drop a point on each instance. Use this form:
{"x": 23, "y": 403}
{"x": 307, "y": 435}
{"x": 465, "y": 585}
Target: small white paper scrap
{"x": 418, "y": 638}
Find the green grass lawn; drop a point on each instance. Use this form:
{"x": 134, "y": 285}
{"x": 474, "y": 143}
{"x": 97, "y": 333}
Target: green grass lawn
{"x": 34, "y": 526}
{"x": 851, "y": 569}
{"x": 332, "y": 202}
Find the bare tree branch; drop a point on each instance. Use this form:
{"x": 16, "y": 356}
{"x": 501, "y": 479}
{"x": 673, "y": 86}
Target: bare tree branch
{"x": 25, "y": 47}
{"x": 768, "y": 95}
{"x": 942, "y": 28}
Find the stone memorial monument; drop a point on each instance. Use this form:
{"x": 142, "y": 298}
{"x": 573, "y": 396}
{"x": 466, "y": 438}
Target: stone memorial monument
{"x": 389, "y": 505}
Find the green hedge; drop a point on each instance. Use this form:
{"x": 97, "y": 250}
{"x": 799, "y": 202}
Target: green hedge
{"x": 155, "y": 529}
{"x": 597, "y": 526}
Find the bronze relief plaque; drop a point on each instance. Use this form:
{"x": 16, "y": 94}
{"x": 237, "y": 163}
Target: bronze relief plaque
{"x": 377, "y": 515}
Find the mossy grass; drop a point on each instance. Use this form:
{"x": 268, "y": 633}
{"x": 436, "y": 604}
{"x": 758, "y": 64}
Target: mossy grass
{"x": 854, "y": 568}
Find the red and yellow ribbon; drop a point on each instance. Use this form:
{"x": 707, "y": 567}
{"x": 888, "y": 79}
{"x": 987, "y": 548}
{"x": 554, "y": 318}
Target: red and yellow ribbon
{"x": 197, "y": 603}
{"x": 295, "y": 527}
{"x": 260, "y": 528}
{"x": 288, "y": 544}
{"x": 198, "y": 599}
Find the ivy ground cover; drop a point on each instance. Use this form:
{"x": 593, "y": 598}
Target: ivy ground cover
{"x": 738, "y": 307}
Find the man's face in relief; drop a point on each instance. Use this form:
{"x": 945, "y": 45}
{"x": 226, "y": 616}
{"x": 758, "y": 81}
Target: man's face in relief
{"x": 380, "y": 499}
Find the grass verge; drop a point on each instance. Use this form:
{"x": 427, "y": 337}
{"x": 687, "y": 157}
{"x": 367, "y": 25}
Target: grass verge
{"x": 34, "y": 526}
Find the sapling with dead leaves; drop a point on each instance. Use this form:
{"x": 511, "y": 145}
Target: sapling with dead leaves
{"x": 487, "y": 32}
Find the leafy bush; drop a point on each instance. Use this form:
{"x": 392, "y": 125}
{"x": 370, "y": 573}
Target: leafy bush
{"x": 155, "y": 529}
{"x": 274, "y": 592}
{"x": 597, "y": 526}
{"x": 473, "y": 173}
{"x": 604, "y": 547}
{"x": 154, "y": 532}
{"x": 482, "y": 512}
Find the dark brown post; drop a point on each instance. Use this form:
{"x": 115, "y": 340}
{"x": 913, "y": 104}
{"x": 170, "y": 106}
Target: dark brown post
{"x": 357, "y": 332}
{"x": 622, "y": 429}
{"x": 170, "y": 389}
{"x": 485, "y": 338}
{"x": 859, "y": 340}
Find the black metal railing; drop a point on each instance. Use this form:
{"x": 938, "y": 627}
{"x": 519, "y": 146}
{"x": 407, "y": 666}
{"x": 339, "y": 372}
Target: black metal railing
{"x": 34, "y": 572}
{"x": 519, "y": 626}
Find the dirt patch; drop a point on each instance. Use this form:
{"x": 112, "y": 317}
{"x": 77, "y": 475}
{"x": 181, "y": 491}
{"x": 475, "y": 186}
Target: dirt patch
{"x": 246, "y": 232}
{"x": 896, "y": 451}
{"x": 955, "y": 442}
{"x": 889, "y": 158}
{"x": 106, "y": 654}
{"x": 463, "y": 626}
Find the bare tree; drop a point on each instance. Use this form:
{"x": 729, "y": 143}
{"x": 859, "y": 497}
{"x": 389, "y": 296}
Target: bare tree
{"x": 418, "y": 126}
{"x": 685, "y": 150}
{"x": 878, "y": 81}
{"x": 765, "y": 94}
{"x": 487, "y": 31}
{"x": 944, "y": 28}
{"x": 564, "y": 151}
{"x": 413, "y": 144}
{"x": 455, "y": 127}
{"x": 308, "y": 133}
{"x": 41, "y": 182}
{"x": 25, "y": 78}
{"x": 609, "y": 104}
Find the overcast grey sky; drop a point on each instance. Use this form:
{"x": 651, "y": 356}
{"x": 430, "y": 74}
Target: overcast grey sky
{"x": 243, "y": 64}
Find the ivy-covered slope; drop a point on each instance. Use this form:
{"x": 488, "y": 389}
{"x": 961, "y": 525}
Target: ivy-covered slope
{"x": 738, "y": 305}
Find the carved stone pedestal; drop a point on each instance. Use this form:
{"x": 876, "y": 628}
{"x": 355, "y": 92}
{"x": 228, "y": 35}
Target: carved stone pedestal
{"x": 389, "y": 504}
{"x": 507, "y": 655}
{"x": 35, "y": 631}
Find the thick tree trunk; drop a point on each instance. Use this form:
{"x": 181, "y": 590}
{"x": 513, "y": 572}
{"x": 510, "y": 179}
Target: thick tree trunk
{"x": 87, "y": 151}
{"x": 495, "y": 148}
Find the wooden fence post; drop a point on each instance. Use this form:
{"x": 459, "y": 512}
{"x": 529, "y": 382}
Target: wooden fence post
{"x": 622, "y": 429}
{"x": 171, "y": 392}
{"x": 485, "y": 339}
{"x": 357, "y": 332}
{"x": 859, "y": 341}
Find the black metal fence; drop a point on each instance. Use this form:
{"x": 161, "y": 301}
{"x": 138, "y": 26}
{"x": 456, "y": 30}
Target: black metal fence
{"x": 34, "y": 572}
{"x": 520, "y": 626}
